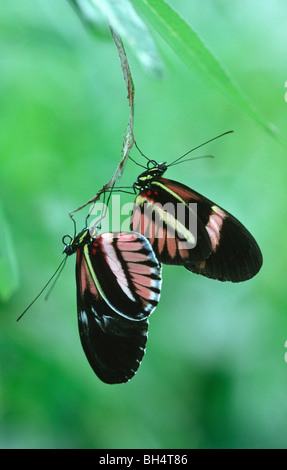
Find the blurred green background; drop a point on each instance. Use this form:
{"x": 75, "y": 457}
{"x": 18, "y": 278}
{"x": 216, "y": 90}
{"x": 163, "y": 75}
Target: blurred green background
{"x": 214, "y": 374}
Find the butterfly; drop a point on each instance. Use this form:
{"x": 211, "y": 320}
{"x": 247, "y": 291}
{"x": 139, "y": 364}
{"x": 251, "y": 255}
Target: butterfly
{"x": 118, "y": 286}
{"x": 185, "y": 228}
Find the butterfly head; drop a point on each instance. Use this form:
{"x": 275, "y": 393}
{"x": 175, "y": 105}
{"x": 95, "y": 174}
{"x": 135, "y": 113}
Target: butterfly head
{"x": 153, "y": 172}
{"x": 73, "y": 244}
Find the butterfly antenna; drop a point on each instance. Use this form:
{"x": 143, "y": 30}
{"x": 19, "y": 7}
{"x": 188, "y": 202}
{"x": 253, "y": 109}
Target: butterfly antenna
{"x": 136, "y": 162}
{"x": 198, "y": 146}
{"x": 142, "y": 154}
{"x": 192, "y": 158}
{"x": 58, "y": 270}
{"x": 74, "y": 222}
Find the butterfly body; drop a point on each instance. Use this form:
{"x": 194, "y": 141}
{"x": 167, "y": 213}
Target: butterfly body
{"x": 149, "y": 176}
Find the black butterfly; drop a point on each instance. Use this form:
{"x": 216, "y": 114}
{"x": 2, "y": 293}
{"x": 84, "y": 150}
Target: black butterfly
{"x": 118, "y": 286}
{"x": 222, "y": 249}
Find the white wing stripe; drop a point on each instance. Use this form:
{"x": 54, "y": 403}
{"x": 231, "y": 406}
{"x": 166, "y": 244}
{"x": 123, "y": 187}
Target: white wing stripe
{"x": 116, "y": 267}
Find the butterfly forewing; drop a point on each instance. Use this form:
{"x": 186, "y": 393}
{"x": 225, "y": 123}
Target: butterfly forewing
{"x": 235, "y": 255}
{"x": 171, "y": 226}
{"x": 114, "y": 345}
{"x": 126, "y": 272}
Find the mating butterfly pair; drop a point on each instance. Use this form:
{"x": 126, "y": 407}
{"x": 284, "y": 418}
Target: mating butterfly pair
{"x": 119, "y": 275}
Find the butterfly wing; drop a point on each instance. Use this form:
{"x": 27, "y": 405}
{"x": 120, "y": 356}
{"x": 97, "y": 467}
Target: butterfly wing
{"x": 114, "y": 345}
{"x": 234, "y": 254}
{"x": 126, "y": 272}
{"x": 172, "y": 227}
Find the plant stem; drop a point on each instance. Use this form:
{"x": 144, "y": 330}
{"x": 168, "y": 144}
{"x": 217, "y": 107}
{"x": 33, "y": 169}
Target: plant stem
{"x": 129, "y": 138}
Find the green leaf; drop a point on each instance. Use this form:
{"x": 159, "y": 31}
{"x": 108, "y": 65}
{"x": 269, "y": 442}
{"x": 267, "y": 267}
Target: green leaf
{"x": 190, "y": 48}
{"x": 123, "y": 18}
{"x": 8, "y": 266}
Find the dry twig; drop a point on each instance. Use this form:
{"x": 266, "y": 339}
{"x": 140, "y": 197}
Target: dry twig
{"x": 129, "y": 138}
